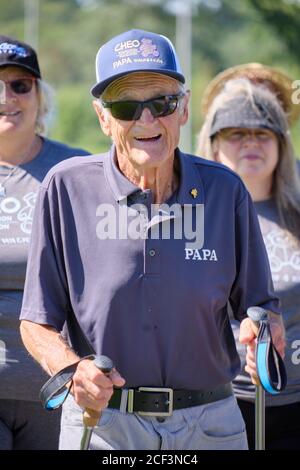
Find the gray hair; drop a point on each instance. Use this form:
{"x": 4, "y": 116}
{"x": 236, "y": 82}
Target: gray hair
{"x": 286, "y": 185}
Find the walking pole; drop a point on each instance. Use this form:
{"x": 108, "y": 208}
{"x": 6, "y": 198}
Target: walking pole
{"x": 259, "y": 418}
{"x": 91, "y": 417}
{"x": 257, "y": 314}
{"x": 270, "y": 370}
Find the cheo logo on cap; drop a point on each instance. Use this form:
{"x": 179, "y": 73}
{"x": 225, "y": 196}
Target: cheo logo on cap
{"x": 139, "y": 51}
{"x": 127, "y": 45}
{"x": 134, "y": 47}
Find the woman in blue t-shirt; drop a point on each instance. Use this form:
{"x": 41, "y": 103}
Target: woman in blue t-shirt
{"x": 25, "y": 157}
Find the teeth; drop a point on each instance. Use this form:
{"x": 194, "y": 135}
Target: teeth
{"x": 148, "y": 137}
{"x": 9, "y": 114}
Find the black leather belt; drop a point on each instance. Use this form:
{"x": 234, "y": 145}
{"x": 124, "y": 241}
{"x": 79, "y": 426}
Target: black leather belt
{"x": 150, "y": 401}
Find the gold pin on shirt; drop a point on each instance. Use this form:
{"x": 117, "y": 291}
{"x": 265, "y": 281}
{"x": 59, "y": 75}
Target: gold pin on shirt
{"x": 194, "y": 192}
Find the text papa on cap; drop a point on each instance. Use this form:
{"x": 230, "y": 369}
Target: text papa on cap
{"x": 135, "y": 51}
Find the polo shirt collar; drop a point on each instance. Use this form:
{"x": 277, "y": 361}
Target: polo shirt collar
{"x": 190, "y": 189}
{"x": 120, "y": 185}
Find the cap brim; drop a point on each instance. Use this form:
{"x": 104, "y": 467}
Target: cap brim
{"x": 228, "y": 124}
{"x": 26, "y": 67}
{"x": 98, "y": 88}
{"x": 279, "y": 83}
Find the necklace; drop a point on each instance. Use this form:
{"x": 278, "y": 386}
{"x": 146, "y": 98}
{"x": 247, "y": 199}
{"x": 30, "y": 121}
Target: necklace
{"x": 13, "y": 170}
{"x": 2, "y": 184}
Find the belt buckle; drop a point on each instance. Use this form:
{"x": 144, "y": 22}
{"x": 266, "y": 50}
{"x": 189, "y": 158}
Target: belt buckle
{"x": 169, "y": 402}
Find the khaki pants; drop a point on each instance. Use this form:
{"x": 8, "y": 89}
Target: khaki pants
{"x": 215, "y": 426}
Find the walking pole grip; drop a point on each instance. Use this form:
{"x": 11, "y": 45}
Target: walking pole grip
{"x": 91, "y": 417}
{"x": 257, "y": 314}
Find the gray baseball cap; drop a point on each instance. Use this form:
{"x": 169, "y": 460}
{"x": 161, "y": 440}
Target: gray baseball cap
{"x": 241, "y": 112}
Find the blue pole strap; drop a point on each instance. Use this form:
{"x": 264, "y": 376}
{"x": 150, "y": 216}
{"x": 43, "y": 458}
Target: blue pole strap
{"x": 270, "y": 366}
{"x": 54, "y": 392}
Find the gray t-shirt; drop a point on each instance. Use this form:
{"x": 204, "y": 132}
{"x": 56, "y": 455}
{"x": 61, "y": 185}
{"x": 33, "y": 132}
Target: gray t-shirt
{"x": 155, "y": 306}
{"x": 284, "y": 256}
{"x": 20, "y": 377}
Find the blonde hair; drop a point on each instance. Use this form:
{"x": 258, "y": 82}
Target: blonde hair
{"x": 45, "y": 108}
{"x": 286, "y": 185}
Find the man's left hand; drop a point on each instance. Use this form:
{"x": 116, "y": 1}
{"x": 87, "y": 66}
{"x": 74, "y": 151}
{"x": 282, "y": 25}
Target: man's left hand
{"x": 248, "y": 334}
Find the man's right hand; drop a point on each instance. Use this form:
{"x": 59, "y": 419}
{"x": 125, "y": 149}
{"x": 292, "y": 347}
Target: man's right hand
{"x": 92, "y": 388}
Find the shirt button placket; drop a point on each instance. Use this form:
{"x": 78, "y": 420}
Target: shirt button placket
{"x": 152, "y": 256}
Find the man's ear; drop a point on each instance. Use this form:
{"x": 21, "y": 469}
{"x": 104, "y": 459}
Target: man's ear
{"x": 103, "y": 118}
{"x": 185, "y": 110}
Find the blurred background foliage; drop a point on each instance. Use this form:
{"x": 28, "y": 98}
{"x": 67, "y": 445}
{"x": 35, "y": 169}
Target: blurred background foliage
{"x": 224, "y": 33}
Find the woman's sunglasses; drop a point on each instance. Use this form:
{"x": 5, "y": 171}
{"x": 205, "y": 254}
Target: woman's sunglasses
{"x": 19, "y": 86}
{"x": 132, "y": 110}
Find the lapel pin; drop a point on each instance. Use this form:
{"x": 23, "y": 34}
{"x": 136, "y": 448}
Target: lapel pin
{"x": 194, "y": 192}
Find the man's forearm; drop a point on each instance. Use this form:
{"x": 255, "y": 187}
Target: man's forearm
{"x": 47, "y": 346}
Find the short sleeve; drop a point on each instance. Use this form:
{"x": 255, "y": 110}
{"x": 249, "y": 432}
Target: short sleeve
{"x": 46, "y": 299}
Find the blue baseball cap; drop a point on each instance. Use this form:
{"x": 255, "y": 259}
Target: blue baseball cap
{"x": 135, "y": 51}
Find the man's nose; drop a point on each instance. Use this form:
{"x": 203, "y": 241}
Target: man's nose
{"x": 146, "y": 116}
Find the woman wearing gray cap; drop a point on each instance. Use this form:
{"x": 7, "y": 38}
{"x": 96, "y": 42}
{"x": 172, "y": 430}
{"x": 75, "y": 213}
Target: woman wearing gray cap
{"x": 25, "y": 158}
{"x": 246, "y": 128}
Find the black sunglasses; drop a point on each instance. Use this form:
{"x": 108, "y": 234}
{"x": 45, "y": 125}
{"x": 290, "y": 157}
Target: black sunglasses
{"x": 132, "y": 110}
{"x": 20, "y": 86}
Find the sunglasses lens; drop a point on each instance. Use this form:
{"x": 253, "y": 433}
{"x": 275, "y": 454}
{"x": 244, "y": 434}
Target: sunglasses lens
{"x": 125, "y": 110}
{"x": 132, "y": 110}
{"x": 164, "y": 106}
{"x": 21, "y": 85}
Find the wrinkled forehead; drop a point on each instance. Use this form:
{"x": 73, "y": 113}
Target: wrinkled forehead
{"x": 148, "y": 83}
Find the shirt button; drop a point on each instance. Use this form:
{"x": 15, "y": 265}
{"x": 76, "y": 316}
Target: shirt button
{"x": 152, "y": 252}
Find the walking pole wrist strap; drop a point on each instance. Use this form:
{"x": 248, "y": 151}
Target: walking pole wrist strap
{"x": 54, "y": 392}
{"x": 269, "y": 364}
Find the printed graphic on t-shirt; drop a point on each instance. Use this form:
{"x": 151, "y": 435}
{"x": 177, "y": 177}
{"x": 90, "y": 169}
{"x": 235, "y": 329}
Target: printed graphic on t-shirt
{"x": 16, "y": 215}
{"x": 284, "y": 256}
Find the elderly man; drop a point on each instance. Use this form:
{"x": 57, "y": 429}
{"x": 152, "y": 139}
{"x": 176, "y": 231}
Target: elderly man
{"x": 143, "y": 248}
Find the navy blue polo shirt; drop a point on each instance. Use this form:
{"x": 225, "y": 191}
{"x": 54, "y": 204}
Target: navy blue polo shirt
{"x": 154, "y": 305}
